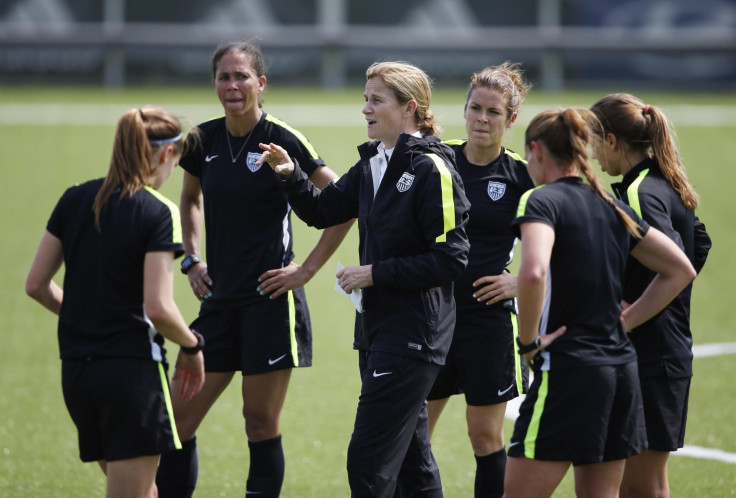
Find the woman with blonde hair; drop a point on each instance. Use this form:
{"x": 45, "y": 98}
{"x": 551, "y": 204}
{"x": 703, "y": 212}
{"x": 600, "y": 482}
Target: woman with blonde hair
{"x": 411, "y": 212}
{"x": 584, "y": 406}
{"x": 637, "y": 143}
{"x": 117, "y": 238}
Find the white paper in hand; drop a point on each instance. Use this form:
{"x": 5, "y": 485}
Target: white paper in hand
{"x": 356, "y": 296}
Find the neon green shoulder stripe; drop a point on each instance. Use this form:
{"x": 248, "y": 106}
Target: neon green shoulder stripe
{"x": 454, "y": 141}
{"x": 448, "y": 201}
{"x": 175, "y": 217}
{"x": 632, "y": 193}
{"x": 514, "y": 155}
{"x": 296, "y": 133}
{"x": 522, "y": 202}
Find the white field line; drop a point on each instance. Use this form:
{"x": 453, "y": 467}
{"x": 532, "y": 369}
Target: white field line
{"x": 301, "y": 115}
{"x": 700, "y": 351}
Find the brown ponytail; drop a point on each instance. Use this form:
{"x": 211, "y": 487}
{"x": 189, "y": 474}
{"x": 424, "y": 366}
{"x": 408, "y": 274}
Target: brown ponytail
{"x": 139, "y": 134}
{"x": 645, "y": 128}
{"x": 567, "y": 134}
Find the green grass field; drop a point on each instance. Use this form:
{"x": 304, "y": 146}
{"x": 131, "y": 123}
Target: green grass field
{"x": 53, "y": 138}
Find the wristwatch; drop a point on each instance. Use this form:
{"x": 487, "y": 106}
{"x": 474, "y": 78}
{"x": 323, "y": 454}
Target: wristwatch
{"x": 189, "y": 261}
{"x": 527, "y": 348}
{"x": 194, "y": 349}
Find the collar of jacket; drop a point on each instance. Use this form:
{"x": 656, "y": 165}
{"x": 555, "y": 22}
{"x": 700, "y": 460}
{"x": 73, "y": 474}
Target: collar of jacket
{"x": 620, "y": 187}
{"x": 405, "y": 141}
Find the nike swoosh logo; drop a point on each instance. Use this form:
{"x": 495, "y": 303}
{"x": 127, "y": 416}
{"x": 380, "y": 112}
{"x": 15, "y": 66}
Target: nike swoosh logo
{"x": 514, "y": 444}
{"x": 501, "y": 393}
{"x": 376, "y": 374}
{"x": 271, "y": 362}
{"x": 210, "y": 158}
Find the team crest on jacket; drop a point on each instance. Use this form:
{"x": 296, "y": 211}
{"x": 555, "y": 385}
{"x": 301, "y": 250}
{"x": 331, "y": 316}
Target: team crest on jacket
{"x": 250, "y": 161}
{"x": 405, "y": 182}
{"x": 496, "y": 190}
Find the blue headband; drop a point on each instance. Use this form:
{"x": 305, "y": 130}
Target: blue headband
{"x": 155, "y": 143}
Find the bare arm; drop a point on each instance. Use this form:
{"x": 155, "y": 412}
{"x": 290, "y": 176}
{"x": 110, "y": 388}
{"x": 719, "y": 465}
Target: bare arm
{"x": 48, "y": 260}
{"x": 659, "y": 253}
{"x": 536, "y": 251}
{"x": 158, "y": 298}
{"x": 280, "y": 280}
{"x": 192, "y": 219}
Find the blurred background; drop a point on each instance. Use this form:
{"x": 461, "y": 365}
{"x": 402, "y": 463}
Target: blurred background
{"x": 564, "y": 44}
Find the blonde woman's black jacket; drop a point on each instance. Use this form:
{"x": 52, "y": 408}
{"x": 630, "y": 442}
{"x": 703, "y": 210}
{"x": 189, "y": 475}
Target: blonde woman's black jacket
{"x": 413, "y": 233}
{"x": 664, "y": 343}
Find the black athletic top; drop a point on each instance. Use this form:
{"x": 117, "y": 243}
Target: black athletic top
{"x": 247, "y": 219}
{"x": 585, "y": 277}
{"x": 102, "y": 312}
{"x": 494, "y": 191}
{"x": 413, "y": 233}
{"x": 664, "y": 343}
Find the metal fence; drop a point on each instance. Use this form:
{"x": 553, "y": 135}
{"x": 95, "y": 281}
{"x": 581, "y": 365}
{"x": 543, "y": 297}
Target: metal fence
{"x": 330, "y": 42}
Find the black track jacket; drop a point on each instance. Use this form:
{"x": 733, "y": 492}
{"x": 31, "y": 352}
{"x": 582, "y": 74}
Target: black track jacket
{"x": 413, "y": 233}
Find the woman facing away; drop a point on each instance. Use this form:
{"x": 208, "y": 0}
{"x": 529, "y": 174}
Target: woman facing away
{"x": 584, "y": 406}
{"x": 117, "y": 238}
{"x": 411, "y": 212}
{"x": 637, "y": 144}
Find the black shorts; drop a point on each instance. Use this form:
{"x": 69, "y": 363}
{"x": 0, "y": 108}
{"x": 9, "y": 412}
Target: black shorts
{"x": 483, "y": 362}
{"x": 260, "y": 337}
{"x": 665, "y": 411}
{"x": 121, "y": 407}
{"x": 581, "y": 415}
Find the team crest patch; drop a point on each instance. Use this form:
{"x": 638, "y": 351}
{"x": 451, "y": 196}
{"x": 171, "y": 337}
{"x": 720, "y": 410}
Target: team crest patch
{"x": 496, "y": 190}
{"x": 250, "y": 161}
{"x": 405, "y": 182}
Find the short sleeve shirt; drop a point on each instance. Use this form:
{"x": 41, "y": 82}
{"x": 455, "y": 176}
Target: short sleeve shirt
{"x": 102, "y": 313}
{"x": 494, "y": 191}
{"x": 586, "y": 273}
{"x": 247, "y": 218}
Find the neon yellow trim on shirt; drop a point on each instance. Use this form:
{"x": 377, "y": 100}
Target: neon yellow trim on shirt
{"x": 632, "y": 193}
{"x": 175, "y": 217}
{"x": 515, "y": 155}
{"x": 296, "y": 133}
{"x": 521, "y": 210}
{"x": 448, "y": 201}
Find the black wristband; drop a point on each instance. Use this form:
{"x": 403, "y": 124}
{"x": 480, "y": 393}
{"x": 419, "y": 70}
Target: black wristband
{"x": 194, "y": 349}
{"x": 528, "y": 348}
{"x": 189, "y": 261}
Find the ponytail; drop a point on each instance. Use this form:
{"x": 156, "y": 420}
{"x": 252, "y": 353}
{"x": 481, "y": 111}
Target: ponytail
{"x": 139, "y": 134}
{"x": 645, "y": 128}
{"x": 567, "y": 134}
